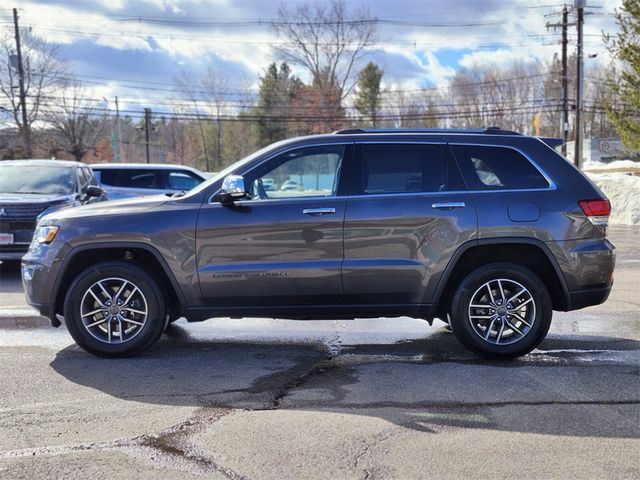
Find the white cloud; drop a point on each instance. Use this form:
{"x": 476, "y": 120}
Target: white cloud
{"x": 123, "y": 43}
{"x": 504, "y": 32}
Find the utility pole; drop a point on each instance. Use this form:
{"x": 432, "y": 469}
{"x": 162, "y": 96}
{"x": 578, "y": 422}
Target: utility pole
{"x": 147, "y": 121}
{"x": 564, "y": 124}
{"x": 26, "y": 128}
{"x": 580, "y": 4}
{"x": 118, "y": 155}
{"x": 565, "y": 81}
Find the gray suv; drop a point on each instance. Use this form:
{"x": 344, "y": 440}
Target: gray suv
{"x": 488, "y": 230}
{"x": 32, "y": 188}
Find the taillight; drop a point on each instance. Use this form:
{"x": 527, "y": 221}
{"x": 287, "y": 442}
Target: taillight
{"x": 597, "y": 211}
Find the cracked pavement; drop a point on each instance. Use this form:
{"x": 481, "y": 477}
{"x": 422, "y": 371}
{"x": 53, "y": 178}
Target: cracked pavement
{"x": 374, "y": 399}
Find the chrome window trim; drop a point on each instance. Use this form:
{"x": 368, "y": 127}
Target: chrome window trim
{"x": 287, "y": 199}
{"x": 552, "y": 185}
{"x": 282, "y": 152}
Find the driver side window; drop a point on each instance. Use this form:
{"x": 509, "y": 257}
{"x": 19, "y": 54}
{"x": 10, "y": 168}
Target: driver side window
{"x": 306, "y": 172}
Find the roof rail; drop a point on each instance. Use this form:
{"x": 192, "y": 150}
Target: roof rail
{"x": 476, "y": 131}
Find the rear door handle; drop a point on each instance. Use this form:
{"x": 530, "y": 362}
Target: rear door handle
{"x": 318, "y": 211}
{"x": 448, "y": 205}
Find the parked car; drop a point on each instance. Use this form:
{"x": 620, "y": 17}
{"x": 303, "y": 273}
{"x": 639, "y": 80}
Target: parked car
{"x": 488, "y": 230}
{"x": 289, "y": 185}
{"x": 269, "y": 184}
{"x": 125, "y": 180}
{"x": 29, "y": 188}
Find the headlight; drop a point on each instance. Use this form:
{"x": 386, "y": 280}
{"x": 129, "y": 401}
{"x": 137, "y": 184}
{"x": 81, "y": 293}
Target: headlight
{"x": 45, "y": 234}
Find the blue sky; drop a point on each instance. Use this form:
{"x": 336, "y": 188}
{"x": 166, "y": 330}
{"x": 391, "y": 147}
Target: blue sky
{"x": 139, "y": 61}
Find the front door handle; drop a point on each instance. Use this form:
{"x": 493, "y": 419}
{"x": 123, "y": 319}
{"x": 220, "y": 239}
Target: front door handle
{"x": 448, "y": 205}
{"x": 318, "y": 211}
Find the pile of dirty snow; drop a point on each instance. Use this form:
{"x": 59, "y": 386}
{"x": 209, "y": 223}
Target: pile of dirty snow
{"x": 618, "y": 165}
{"x": 623, "y": 191}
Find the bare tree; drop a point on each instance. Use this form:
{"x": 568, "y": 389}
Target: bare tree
{"x": 191, "y": 92}
{"x": 325, "y": 39}
{"x": 507, "y": 97}
{"x": 210, "y": 100}
{"x": 401, "y": 108}
{"x": 215, "y": 89}
{"x": 43, "y": 70}
{"x": 75, "y": 122}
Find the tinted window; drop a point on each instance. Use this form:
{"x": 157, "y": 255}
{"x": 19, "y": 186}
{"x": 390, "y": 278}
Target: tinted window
{"x": 490, "y": 168}
{"x": 306, "y": 172}
{"x": 131, "y": 178}
{"x": 180, "y": 180}
{"x": 398, "y": 168}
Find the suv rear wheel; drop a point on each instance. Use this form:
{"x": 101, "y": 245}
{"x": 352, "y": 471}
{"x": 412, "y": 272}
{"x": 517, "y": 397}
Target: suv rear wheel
{"x": 114, "y": 309}
{"x": 501, "y": 310}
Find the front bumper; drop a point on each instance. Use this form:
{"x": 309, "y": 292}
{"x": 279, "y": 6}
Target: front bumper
{"x": 13, "y": 252}
{"x": 39, "y": 270}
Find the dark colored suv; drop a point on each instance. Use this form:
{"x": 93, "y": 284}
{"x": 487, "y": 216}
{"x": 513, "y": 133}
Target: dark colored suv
{"x": 29, "y": 188}
{"x": 488, "y": 230}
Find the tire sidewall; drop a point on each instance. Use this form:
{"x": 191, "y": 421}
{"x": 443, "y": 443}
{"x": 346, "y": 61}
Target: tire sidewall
{"x": 151, "y": 330}
{"x": 462, "y": 328}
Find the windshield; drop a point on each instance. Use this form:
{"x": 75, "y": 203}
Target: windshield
{"x": 36, "y": 179}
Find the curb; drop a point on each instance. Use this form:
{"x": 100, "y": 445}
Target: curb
{"x": 11, "y": 317}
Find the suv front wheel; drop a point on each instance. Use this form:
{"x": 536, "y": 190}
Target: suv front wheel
{"x": 501, "y": 310}
{"x": 114, "y": 309}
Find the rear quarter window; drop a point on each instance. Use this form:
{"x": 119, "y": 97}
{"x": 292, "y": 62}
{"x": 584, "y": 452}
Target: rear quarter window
{"x": 497, "y": 168}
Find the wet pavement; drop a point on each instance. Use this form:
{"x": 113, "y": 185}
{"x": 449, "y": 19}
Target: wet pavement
{"x": 378, "y": 398}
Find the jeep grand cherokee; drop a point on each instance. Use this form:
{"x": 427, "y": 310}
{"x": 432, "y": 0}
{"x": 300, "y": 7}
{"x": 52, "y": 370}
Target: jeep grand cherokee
{"x": 489, "y": 230}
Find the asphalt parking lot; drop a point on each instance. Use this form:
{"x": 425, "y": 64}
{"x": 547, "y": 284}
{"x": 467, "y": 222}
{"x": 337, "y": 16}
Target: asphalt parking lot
{"x": 379, "y": 398}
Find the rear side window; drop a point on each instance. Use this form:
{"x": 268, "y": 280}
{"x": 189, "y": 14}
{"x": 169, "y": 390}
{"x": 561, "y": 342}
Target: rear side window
{"x": 131, "y": 178}
{"x": 406, "y": 168}
{"x": 497, "y": 168}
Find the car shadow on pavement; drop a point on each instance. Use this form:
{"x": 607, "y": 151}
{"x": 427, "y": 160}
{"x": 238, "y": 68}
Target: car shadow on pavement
{"x": 577, "y": 386}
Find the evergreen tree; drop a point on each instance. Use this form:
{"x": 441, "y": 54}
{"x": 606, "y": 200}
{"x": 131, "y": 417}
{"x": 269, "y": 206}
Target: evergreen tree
{"x": 277, "y": 90}
{"x": 368, "y": 96}
{"x": 626, "y": 47}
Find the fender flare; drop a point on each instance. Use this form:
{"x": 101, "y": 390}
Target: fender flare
{"x": 107, "y": 245}
{"x": 444, "y": 279}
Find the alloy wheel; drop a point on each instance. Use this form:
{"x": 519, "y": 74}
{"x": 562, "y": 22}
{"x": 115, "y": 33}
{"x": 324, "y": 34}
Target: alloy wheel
{"x": 113, "y": 310}
{"x": 502, "y": 311}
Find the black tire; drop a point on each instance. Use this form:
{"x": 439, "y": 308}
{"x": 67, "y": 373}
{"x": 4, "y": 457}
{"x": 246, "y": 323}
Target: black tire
{"x": 149, "y": 297}
{"x": 482, "y": 287}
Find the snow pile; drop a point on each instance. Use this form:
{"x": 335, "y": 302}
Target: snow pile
{"x": 623, "y": 191}
{"x": 626, "y": 165}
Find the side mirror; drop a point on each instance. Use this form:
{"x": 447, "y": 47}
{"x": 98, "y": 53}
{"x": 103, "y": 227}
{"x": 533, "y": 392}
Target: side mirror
{"x": 232, "y": 189}
{"x": 94, "y": 191}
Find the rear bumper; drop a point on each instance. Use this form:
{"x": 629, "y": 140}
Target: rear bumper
{"x": 587, "y": 297}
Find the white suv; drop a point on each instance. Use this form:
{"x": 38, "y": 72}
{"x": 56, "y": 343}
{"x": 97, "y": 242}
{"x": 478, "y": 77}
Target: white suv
{"x": 124, "y": 180}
